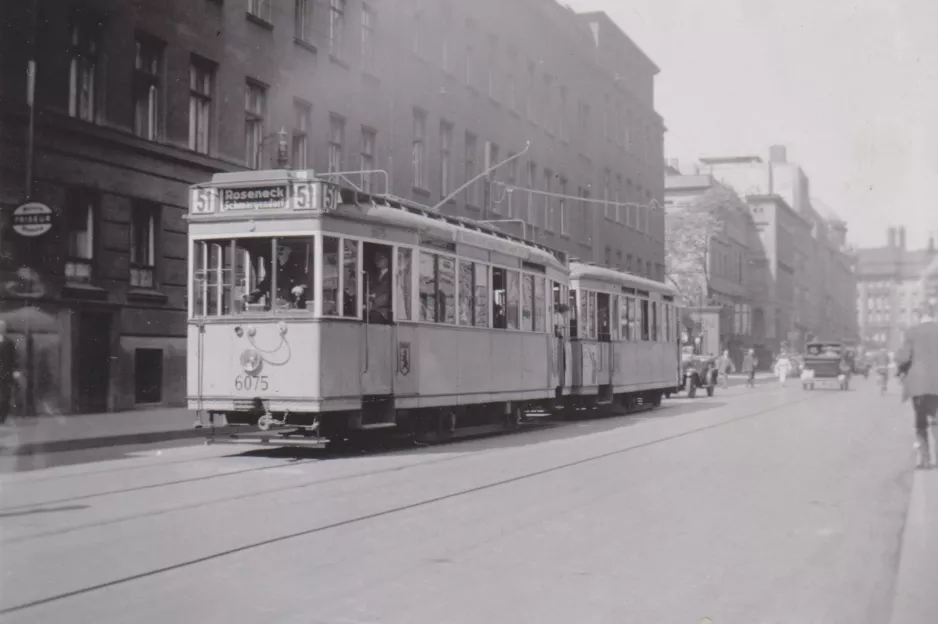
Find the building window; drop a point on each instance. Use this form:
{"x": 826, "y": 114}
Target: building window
{"x": 420, "y": 149}
{"x": 619, "y": 209}
{"x": 259, "y": 8}
{"x": 79, "y": 235}
{"x": 336, "y": 140}
{"x": 337, "y": 28}
{"x": 368, "y": 38}
{"x": 562, "y": 208}
{"x": 302, "y": 114}
{"x": 201, "y": 79}
{"x": 147, "y": 70}
{"x": 446, "y": 158}
{"x": 533, "y": 216}
{"x": 255, "y": 105}
{"x": 303, "y": 22}
{"x": 587, "y": 211}
{"x": 144, "y": 218}
{"x": 470, "y": 160}
{"x": 369, "y": 138}
{"x": 83, "y": 50}
{"x": 148, "y": 375}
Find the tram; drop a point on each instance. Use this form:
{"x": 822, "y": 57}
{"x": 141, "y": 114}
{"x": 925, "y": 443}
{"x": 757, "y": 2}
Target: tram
{"x": 323, "y": 312}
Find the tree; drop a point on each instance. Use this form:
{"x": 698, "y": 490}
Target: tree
{"x": 689, "y": 233}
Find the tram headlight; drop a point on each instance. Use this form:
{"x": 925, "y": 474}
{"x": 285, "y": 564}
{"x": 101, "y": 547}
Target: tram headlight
{"x": 251, "y": 331}
{"x": 250, "y": 361}
{"x": 282, "y": 326}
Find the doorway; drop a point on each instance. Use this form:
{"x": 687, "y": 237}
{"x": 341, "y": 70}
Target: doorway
{"x": 91, "y": 361}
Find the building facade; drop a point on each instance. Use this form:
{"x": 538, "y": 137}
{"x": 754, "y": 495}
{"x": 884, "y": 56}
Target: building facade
{"x": 133, "y": 102}
{"x": 893, "y": 283}
{"x": 728, "y": 252}
{"x": 823, "y": 281}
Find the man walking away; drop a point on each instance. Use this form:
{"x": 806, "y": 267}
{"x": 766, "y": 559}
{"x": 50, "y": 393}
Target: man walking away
{"x": 918, "y": 365}
{"x": 749, "y": 367}
{"x": 9, "y": 372}
{"x": 725, "y": 366}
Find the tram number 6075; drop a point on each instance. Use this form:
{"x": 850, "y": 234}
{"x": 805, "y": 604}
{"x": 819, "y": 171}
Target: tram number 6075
{"x": 251, "y": 382}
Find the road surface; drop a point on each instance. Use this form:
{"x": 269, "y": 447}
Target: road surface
{"x": 756, "y": 506}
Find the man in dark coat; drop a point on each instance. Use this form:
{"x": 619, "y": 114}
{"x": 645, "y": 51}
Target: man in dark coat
{"x": 918, "y": 365}
{"x": 293, "y": 279}
{"x": 9, "y": 371}
{"x": 379, "y": 307}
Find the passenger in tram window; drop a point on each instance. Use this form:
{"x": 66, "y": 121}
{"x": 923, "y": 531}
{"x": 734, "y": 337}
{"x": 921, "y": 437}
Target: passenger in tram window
{"x": 379, "y": 285}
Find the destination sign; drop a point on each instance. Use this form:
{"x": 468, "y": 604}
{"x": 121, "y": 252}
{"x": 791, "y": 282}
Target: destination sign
{"x": 314, "y": 196}
{"x": 259, "y": 197}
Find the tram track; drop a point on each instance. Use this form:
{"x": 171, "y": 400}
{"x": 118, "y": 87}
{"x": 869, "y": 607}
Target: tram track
{"x": 468, "y": 491}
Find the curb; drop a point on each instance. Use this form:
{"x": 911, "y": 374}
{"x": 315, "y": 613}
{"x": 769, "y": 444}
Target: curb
{"x": 82, "y": 444}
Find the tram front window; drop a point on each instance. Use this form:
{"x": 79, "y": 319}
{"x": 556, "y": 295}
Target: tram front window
{"x": 234, "y": 276}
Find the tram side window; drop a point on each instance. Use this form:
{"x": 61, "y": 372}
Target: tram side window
{"x": 654, "y": 321}
{"x": 614, "y": 326}
{"x": 428, "y": 287}
{"x": 513, "y": 311}
{"x": 539, "y": 305}
{"x": 602, "y": 314}
{"x": 499, "y": 299}
{"x": 591, "y": 316}
{"x": 625, "y": 317}
{"x": 481, "y": 295}
{"x": 527, "y": 302}
{"x": 350, "y": 281}
{"x": 466, "y": 293}
{"x": 446, "y": 289}
{"x": 583, "y": 312}
{"x": 377, "y": 261}
{"x": 403, "y": 298}
{"x": 645, "y": 319}
{"x": 330, "y": 276}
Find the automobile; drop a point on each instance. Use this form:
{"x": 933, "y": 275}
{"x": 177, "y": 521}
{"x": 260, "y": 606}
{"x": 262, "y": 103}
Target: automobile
{"x": 827, "y": 364}
{"x": 699, "y": 372}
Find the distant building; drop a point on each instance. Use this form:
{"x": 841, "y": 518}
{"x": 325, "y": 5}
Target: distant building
{"x": 823, "y": 284}
{"x": 135, "y": 101}
{"x": 893, "y": 282}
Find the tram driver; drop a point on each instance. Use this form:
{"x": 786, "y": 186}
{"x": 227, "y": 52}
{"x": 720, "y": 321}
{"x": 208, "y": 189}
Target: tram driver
{"x": 293, "y": 279}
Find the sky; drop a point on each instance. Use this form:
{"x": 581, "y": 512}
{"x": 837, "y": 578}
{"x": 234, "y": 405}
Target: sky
{"x": 850, "y": 87}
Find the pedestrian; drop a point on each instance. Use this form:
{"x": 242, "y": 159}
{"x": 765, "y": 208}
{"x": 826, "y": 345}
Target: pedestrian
{"x": 724, "y": 367}
{"x": 917, "y": 364}
{"x": 749, "y": 367}
{"x": 9, "y": 372}
{"x": 782, "y": 368}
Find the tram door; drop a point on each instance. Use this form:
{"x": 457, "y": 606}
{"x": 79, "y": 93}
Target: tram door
{"x": 379, "y": 348}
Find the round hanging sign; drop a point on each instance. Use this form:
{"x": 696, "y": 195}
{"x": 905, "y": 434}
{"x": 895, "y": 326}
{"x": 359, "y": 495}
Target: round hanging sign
{"x": 32, "y": 219}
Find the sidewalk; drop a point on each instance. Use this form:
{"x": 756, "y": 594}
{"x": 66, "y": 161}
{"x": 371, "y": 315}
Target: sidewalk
{"x": 72, "y": 432}
{"x": 916, "y": 600}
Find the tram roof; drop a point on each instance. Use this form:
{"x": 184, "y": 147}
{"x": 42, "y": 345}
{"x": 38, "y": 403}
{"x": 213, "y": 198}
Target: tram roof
{"x": 355, "y": 197}
{"x": 582, "y": 270}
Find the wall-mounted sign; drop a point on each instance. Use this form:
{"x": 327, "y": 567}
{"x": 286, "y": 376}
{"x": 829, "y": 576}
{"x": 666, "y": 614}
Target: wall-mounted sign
{"x": 32, "y": 219}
